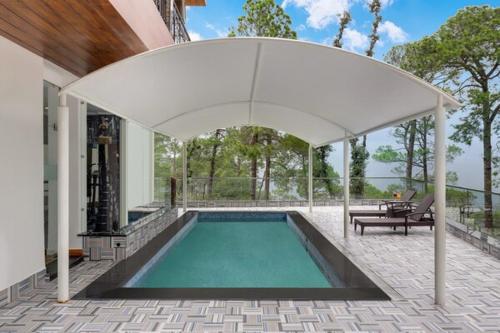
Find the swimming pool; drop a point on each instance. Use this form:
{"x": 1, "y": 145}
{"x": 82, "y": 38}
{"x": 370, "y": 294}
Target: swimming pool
{"x": 236, "y": 255}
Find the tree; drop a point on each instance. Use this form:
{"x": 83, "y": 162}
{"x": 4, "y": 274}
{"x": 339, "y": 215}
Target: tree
{"x": 422, "y": 158}
{"x": 424, "y": 126}
{"x": 359, "y": 152}
{"x": 324, "y": 171}
{"x": 216, "y": 141}
{"x": 466, "y": 51}
{"x": 263, "y": 18}
{"x": 345, "y": 19}
{"x": 359, "y": 157}
{"x": 375, "y": 8}
{"x": 415, "y": 137}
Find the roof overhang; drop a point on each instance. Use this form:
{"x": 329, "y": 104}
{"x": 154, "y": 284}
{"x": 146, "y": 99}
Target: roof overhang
{"x": 318, "y": 93}
{"x": 195, "y": 2}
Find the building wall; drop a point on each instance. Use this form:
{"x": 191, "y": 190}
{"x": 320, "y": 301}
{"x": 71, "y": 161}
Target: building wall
{"x": 139, "y": 165}
{"x": 155, "y": 34}
{"x": 22, "y": 165}
{"x": 21, "y": 168}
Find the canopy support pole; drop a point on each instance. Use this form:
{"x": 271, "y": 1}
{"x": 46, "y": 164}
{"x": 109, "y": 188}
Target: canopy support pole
{"x": 440, "y": 203}
{"x": 62, "y": 200}
{"x": 346, "y": 188}
{"x": 184, "y": 177}
{"x": 310, "y": 178}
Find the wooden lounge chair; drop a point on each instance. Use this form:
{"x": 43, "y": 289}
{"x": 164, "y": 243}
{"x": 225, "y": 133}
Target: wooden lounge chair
{"x": 394, "y": 208}
{"x": 420, "y": 216}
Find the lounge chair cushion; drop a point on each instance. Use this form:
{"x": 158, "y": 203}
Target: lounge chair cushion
{"x": 392, "y": 222}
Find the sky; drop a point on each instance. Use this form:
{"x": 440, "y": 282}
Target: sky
{"x": 317, "y": 21}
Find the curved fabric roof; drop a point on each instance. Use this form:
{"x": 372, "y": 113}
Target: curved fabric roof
{"x": 318, "y": 93}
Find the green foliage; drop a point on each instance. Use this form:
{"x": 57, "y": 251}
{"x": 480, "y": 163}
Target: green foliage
{"x": 372, "y": 192}
{"x": 392, "y": 155}
{"x": 359, "y": 158}
{"x": 263, "y": 18}
{"x": 464, "y": 56}
{"x": 359, "y": 152}
{"x": 345, "y": 19}
{"x": 232, "y": 162}
{"x": 375, "y": 7}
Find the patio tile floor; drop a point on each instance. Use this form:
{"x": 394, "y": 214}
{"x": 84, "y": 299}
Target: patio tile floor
{"x": 402, "y": 265}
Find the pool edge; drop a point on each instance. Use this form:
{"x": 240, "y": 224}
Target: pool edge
{"x": 105, "y": 286}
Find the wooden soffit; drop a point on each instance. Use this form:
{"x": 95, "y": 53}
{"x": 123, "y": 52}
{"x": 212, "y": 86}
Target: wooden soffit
{"x": 80, "y": 36}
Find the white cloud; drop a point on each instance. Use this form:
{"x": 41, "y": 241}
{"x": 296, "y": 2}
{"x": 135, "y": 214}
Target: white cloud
{"x": 386, "y": 3}
{"x": 395, "y": 33}
{"x": 321, "y": 13}
{"x": 327, "y": 41}
{"x": 194, "y": 36}
{"x": 300, "y": 27}
{"x": 219, "y": 32}
{"x": 353, "y": 40}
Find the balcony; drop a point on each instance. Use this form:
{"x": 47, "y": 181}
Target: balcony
{"x": 174, "y": 20}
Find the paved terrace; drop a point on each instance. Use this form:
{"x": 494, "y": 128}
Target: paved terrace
{"x": 405, "y": 264}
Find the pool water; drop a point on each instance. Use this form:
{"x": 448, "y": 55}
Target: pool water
{"x": 263, "y": 254}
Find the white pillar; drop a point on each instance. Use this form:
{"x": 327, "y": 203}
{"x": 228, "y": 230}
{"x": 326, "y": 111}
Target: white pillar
{"x": 440, "y": 203}
{"x": 184, "y": 177}
{"x": 123, "y": 172}
{"x": 152, "y": 168}
{"x": 310, "y": 178}
{"x": 346, "y": 187}
{"x": 62, "y": 200}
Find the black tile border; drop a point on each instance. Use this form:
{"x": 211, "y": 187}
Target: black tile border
{"x": 359, "y": 286}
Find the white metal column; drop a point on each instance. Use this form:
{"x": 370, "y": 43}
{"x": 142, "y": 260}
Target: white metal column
{"x": 310, "y": 178}
{"x": 440, "y": 203}
{"x": 346, "y": 187}
{"x": 184, "y": 176}
{"x": 62, "y": 200}
{"x": 152, "y": 168}
{"x": 123, "y": 172}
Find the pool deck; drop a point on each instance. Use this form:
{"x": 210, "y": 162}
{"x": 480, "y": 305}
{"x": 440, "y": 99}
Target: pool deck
{"x": 402, "y": 265}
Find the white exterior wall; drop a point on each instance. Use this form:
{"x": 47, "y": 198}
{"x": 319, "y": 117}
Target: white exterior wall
{"x": 139, "y": 165}
{"x": 21, "y": 167}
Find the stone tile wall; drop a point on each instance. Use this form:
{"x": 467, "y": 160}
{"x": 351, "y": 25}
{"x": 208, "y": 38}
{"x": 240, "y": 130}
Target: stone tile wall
{"x": 25, "y": 286}
{"x": 479, "y": 239}
{"x": 130, "y": 239}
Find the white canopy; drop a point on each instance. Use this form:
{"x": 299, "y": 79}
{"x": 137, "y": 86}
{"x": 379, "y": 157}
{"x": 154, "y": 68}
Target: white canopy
{"x": 318, "y": 93}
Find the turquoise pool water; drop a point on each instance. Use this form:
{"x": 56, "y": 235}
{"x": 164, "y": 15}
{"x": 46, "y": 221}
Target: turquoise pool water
{"x": 264, "y": 254}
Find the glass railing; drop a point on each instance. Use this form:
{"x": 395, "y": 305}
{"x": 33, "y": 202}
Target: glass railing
{"x": 162, "y": 193}
{"x": 464, "y": 205}
{"x": 291, "y": 188}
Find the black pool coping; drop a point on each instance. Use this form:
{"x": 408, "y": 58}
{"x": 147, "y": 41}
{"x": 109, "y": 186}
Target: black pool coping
{"x": 110, "y": 284}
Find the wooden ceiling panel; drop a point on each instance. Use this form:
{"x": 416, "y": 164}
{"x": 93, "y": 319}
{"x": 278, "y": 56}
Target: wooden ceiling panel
{"x": 80, "y": 36}
{"x": 195, "y": 2}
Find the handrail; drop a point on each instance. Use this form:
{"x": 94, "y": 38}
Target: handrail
{"x": 173, "y": 20}
{"x": 403, "y": 179}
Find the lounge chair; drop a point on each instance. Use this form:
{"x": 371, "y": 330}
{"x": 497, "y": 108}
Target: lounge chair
{"x": 421, "y": 215}
{"x": 394, "y": 208}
